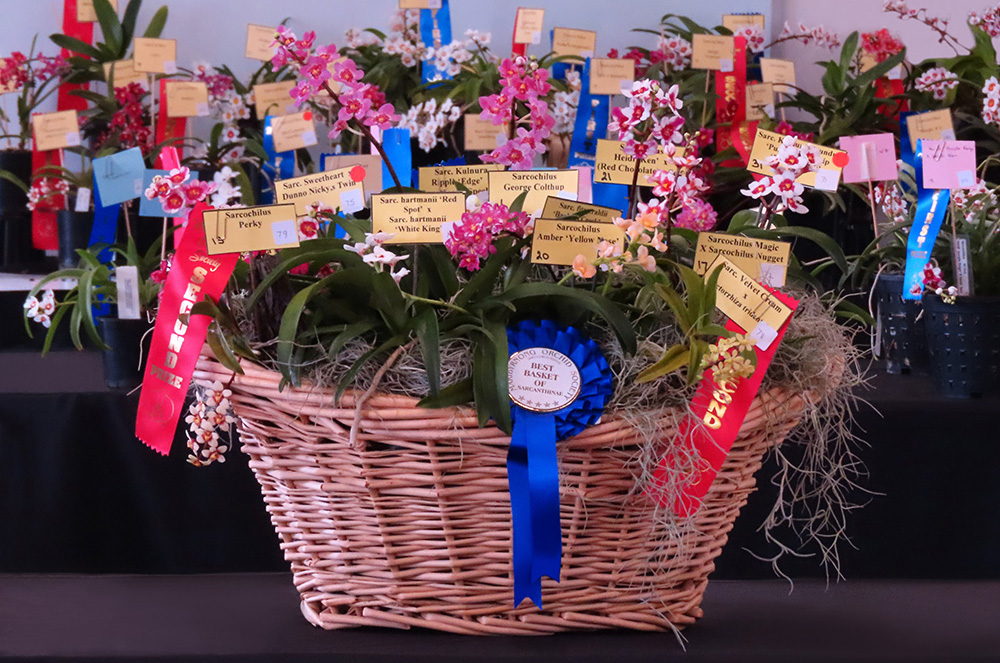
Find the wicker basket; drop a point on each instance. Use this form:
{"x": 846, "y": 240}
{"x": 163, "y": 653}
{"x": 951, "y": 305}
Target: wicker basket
{"x": 409, "y": 525}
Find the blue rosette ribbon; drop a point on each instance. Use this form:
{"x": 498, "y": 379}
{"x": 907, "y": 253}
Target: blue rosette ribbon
{"x": 532, "y": 463}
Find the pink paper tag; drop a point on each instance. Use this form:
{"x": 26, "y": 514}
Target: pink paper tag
{"x": 949, "y": 164}
{"x": 880, "y": 164}
{"x": 585, "y": 194}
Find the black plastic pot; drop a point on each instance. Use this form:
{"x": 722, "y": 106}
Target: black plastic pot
{"x": 903, "y": 336}
{"x": 122, "y": 369}
{"x": 16, "y": 251}
{"x": 74, "y": 233}
{"x": 963, "y": 342}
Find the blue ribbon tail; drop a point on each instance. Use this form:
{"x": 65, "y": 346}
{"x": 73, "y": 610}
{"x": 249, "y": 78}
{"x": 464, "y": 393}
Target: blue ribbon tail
{"x": 533, "y": 475}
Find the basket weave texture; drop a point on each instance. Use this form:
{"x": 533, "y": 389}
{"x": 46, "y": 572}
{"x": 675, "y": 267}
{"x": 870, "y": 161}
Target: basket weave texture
{"x": 409, "y": 525}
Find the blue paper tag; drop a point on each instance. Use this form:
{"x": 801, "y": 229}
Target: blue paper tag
{"x": 396, "y": 143}
{"x": 118, "y": 177}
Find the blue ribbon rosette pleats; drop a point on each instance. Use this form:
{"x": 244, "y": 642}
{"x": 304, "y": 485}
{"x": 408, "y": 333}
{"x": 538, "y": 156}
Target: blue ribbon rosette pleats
{"x": 532, "y": 463}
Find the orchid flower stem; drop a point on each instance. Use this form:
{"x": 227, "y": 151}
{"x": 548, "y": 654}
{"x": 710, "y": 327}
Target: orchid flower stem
{"x": 607, "y": 283}
{"x": 128, "y": 222}
{"x": 364, "y": 129}
{"x": 435, "y": 302}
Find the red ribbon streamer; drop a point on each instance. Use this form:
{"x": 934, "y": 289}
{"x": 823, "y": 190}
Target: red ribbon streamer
{"x": 84, "y": 31}
{"x": 44, "y": 228}
{"x": 174, "y": 350}
{"x": 742, "y": 134}
{"x": 731, "y": 100}
{"x": 718, "y": 413}
{"x": 168, "y": 128}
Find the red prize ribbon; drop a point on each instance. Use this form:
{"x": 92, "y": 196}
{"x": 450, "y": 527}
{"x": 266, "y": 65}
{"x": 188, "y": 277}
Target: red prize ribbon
{"x": 44, "y": 228}
{"x": 731, "y": 101}
{"x": 886, "y": 88}
{"x": 718, "y": 413}
{"x": 84, "y": 31}
{"x": 174, "y": 350}
{"x": 168, "y": 128}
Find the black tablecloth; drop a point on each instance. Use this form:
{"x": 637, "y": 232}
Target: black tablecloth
{"x": 79, "y": 494}
{"x": 254, "y": 618}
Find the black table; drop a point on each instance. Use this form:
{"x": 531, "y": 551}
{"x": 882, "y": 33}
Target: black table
{"x": 79, "y": 494}
{"x": 254, "y": 618}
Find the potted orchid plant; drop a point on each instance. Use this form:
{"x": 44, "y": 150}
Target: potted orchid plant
{"x": 27, "y": 80}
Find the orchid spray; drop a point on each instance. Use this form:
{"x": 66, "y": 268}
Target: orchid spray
{"x": 523, "y": 81}
{"x": 359, "y": 105}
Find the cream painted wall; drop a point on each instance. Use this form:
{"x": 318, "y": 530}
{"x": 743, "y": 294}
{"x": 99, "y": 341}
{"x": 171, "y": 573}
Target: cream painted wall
{"x": 215, "y": 30}
{"x": 845, "y": 16}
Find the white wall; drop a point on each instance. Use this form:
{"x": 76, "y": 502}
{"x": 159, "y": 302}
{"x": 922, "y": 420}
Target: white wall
{"x": 846, "y": 16}
{"x": 215, "y": 30}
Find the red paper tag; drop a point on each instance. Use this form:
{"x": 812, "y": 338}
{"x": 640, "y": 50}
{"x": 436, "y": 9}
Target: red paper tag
{"x": 718, "y": 412}
{"x": 174, "y": 349}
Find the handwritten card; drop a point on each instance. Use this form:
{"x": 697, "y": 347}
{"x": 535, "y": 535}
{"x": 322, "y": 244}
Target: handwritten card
{"x": 372, "y": 164}
{"x": 251, "y": 229}
{"x": 123, "y": 73}
{"x": 443, "y": 178}
{"x": 186, "y": 99}
{"x": 873, "y": 158}
{"x": 55, "y": 131}
{"x": 572, "y": 42}
{"x": 735, "y": 22}
{"x": 610, "y": 75}
{"x": 932, "y": 125}
{"x": 558, "y": 242}
{"x": 613, "y": 166}
{"x": 120, "y": 176}
{"x": 85, "y": 12}
{"x": 760, "y": 101}
{"x": 949, "y": 164}
{"x": 557, "y": 208}
{"x": 273, "y": 99}
{"x": 415, "y": 218}
{"x": 745, "y": 301}
{"x": 779, "y": 72}
{"x": 259, "y": 40}
{"x": 481, "y": 134}
{"x": 340, "y": 189}
{"x": 764, "y": 258}
{"x": 506, "y": 186}
{"x": 293, "y": 132}
{"x": 528, "y": 26}
{"x": 827, "y": 178}
{"x": 715, "y": 52}
{"x": 155, "y": 56}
